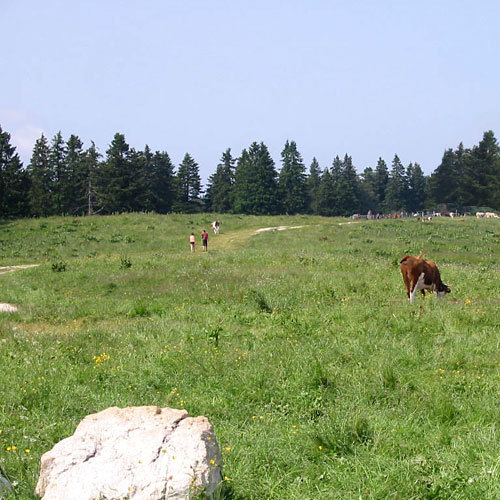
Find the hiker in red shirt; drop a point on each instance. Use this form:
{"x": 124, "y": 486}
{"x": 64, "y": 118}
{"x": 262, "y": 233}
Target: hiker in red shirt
{"x": 204, "y": 239}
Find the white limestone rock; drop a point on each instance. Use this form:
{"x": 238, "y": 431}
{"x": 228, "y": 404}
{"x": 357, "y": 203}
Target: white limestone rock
{"x": 9, "y": 308}
{"x": 135, "y": 453}
{"x": 5, "y": 486}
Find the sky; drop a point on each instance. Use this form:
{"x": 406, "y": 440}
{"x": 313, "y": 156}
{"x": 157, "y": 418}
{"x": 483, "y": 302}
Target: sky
{"x": 367, "y": 78}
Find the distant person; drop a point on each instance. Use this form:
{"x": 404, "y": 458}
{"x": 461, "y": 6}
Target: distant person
{"x": 192, "y": 241}
{"x": 204, "y": 239}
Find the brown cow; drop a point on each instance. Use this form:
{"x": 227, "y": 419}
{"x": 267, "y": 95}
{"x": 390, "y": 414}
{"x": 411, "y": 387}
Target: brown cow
{"x": 419, "y": 274}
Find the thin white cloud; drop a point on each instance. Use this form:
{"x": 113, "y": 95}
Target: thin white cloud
{"x": 24, "y": 138}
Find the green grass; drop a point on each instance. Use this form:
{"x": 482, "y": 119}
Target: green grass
{"x": 321, "y": 380}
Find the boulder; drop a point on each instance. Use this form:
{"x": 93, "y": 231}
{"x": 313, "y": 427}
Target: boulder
{"x": 5, "y": 486}
{"x": 135, "y": 453}
{"x": 9, "y": 308}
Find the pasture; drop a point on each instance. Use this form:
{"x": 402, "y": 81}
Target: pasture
{"x": 321, "y": 380}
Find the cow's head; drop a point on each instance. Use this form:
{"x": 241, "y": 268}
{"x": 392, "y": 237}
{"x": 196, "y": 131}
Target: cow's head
{"x": 443, "y": 290}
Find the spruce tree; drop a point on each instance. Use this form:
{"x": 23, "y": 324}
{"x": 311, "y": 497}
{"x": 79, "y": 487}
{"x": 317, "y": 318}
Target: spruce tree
{"x": 13, "y": 180}
{"x": 368, "y": 199}
{"x": 163, "y": 183}
{"x": 313, "y": 185}
{"x": 91, "y": 200}
{"x": 292, "y": 180}
{"x": 446, "y": 180}
{"x": 188, "y": 185}
{"x": 395, "y": 198}
{"x": 416, "y": 187}
{"x": 73, "y": 182}
{"x": 59, "y": 176}
{"x": 116, "y": 177}
{"x": 327, "y": 194}
{"x": 41, "y": 180}
{"x": 347, "y": 188}
{"x": 381, "y": 179}
{"x": 483, "y": 173}
{"x": 256, "y": 186}
{"x": 220, "y": 196}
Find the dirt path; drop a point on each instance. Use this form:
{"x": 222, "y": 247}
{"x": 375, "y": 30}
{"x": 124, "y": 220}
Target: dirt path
{"x": 9, "y": 269}
{"x": 277, "y": 228}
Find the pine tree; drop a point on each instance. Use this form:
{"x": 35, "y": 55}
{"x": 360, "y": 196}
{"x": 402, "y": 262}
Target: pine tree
{"x": 395, "y": 198}
{"x": 381, "y": 180}
{"x": 72, "y": 186}
{"x": 220, "y": 196}
{"x": 188, "y": 185}
{"x": 256, "y": 186}
{"x": 116, "y": 177}
{"x": 446, "y": 181}
{"x": 292, "y": 180}
{"x": 57, "y": 166}
{"x": 416, "y": 187}
{"x": 13, "y": 180}
{"x": 89, "y": 175}
{"x": 327, "y": 194}
{"x": 483, "y": 173}
{"x": 313, "y": 185}
{"x": 163, "y": 183}
{"x": 368, "y": 199}
{"x": 41, "y": 181}
{"x": 348, "y": 188}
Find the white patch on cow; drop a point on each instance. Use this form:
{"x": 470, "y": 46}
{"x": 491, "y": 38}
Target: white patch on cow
{"x": 419, "y": 285}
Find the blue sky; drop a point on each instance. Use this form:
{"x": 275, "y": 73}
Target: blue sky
{"x": 367, "y": 78}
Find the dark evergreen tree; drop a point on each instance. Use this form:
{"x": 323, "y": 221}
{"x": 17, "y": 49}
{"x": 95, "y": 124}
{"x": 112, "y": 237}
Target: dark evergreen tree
{"x": 292, "y": 180}
{"x": 140, "y": 166}
{"x": 313, "y": 185}
{"x": 72, "y": 183}
{"x": 327, "y": 194}
{"x": 41, "y": 180}
{"x": 59, "y": 176}
{"x": 348, "y": 189}
{"x": 483, "y": 173}
{"x": 90, "y": 202}
{"x": 188, "y": 185}
{"x": 256, "y": 186}
{"x": 397, "y": 187}
{"x": 368, "y": 198}
{"x": 13, "y": 180}
{"x": 416, "y": 187}
{"x": 448, "y": 178}
{"x": 381, "y": 179}
{"x": 116, "y": 177}
{"x": 220, "y": 196}
{"x": 163, "y": 183}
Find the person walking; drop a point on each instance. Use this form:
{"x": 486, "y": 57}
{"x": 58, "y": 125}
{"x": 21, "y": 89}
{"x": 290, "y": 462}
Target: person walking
{"x": 204, "y": 239}
{"x": 192, "y": 241}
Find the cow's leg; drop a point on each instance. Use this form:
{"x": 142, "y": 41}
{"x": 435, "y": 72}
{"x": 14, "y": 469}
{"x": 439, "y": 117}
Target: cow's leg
{"x": 416, "y": 287}
{"x": 407, "y": 282}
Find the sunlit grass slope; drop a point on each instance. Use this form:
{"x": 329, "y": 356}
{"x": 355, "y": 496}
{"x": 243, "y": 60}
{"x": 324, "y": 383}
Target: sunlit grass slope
{"x": 300, "y": 346}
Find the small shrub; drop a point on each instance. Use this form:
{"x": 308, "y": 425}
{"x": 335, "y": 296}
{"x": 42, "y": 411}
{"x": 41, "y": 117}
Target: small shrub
{"x": 59, "y": 267}
{"x": 260, "y": 301}
{"x": 139, "y": 310}
{"x": 213, "y": 334}
{"x": 389, "y": 379}
{"x": 125, "y": 263}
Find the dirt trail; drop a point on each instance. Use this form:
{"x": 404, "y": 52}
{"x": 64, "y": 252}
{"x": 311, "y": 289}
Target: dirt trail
{"x": 9, "y": 269}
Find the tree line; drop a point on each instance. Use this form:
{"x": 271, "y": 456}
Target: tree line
{"x": 64, "y": 178}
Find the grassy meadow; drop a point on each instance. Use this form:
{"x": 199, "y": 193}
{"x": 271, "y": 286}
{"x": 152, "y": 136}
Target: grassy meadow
{"x": 321, "y": 380}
